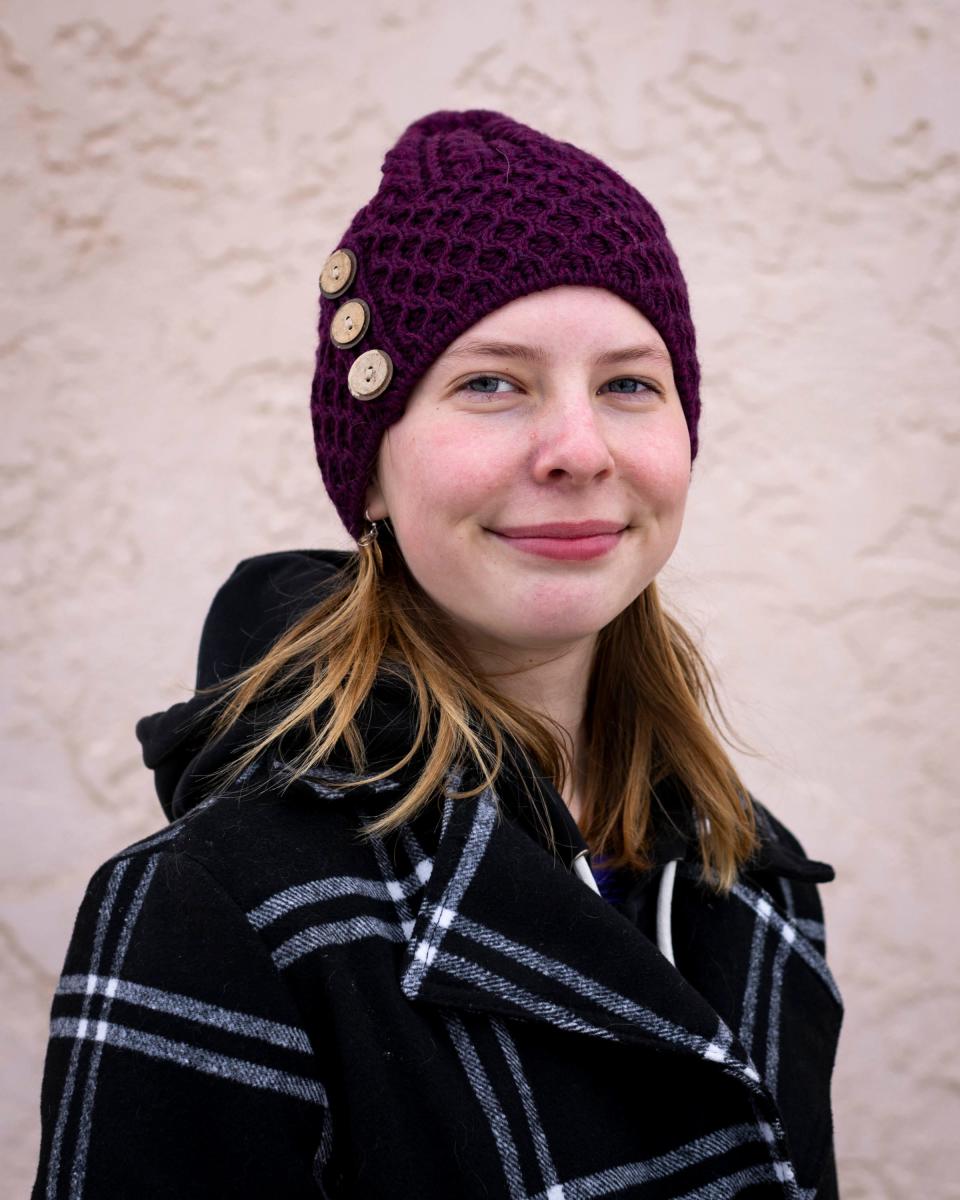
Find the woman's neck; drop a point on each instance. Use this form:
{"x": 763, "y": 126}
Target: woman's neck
{"x": 556, "y": 688}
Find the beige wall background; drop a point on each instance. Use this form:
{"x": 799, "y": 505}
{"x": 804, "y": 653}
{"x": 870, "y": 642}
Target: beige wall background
{"x": 173, "y": 176}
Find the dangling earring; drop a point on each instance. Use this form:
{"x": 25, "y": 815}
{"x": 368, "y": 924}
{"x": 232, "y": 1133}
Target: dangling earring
{"x": 370, "y": 537}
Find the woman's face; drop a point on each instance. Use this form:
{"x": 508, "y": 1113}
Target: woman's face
{"x": 536, "y": 482}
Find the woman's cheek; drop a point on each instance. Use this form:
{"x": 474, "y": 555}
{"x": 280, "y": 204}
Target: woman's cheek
{"x": 467, "y": 468}
{"x": 662, "y": 471}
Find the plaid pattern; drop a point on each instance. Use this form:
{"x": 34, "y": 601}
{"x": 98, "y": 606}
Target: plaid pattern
{"x": 255, "y": 1002}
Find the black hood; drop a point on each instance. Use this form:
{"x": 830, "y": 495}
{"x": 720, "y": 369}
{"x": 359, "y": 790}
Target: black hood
{"x": 260, "y": 600}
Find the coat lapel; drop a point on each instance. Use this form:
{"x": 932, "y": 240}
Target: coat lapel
{"x": 506, "y": 927}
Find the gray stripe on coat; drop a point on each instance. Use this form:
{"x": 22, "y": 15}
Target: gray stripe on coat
{"x": 713, "y": 1145}
{"x": 484, "y": 817}
{"x": 506, "y": 989}
{"x": 319, "y": 891}
{"x": 185, "y": 1054}
{"x": 492, "y": 1109}
{"x": 66, "y": 1097}
{"x": 189, "y": 1009}
{"x": 548, "y": 1170}
{"x": 787, "y": 930}
{"x": 334, "y": 933}
{"x": 751, "y": 991}
{"x": 588, "y": 987}
{"x": 82, "y": 1144}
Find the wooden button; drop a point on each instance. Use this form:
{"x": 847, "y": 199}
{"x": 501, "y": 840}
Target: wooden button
{"x": 350, "y": 322}
{"x": 370, "y": 374}
{"x": 338, "y": 272}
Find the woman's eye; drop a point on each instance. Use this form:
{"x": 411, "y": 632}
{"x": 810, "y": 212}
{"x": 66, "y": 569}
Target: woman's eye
{"x": 633, "y": 386}
{"x": 484, "y": 380}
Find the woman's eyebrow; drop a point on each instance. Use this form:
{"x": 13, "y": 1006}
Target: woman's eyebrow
{"x": 539, "y": 355}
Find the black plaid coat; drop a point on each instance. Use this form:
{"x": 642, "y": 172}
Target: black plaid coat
{"x": 258, "y": 1003}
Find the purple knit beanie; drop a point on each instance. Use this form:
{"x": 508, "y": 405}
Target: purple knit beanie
{"x": 473, "y": 211}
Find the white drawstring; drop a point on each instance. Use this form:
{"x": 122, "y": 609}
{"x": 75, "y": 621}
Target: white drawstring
{"x": 582, "y": 868}
{"x": 664, "y": 910}
{"x": 664, "y": 900}
{"x": 665, "y": 904}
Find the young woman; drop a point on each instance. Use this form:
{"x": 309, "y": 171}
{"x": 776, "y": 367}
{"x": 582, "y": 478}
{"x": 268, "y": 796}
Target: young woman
{"x": 460, "y": 894}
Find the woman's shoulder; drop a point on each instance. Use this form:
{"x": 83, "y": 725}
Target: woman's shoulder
{"x": 781, "y": 851}
{"x": 780, "y": 881}
{"x": 254, "y": 841}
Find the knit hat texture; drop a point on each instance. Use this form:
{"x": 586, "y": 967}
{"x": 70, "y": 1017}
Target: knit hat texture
{"x": 474, "y": 210}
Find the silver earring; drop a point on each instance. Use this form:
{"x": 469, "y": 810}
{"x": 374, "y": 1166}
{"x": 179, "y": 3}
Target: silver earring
{"x": 368, "y": 539}
{"x": 370, "y": 534}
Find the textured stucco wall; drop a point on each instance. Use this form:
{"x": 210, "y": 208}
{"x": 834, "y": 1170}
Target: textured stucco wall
{"x": 173, "y": 176}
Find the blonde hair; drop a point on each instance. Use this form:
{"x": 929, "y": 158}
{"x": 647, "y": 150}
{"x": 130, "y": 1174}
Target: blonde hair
{"x": 649, "y": 697}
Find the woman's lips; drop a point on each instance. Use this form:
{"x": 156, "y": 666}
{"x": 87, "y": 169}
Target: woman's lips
{"x": 562, "y": 529}
{"x": 575, "y": 548}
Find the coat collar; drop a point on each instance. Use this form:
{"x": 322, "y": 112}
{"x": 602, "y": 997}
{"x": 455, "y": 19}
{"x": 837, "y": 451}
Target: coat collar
{"x": 674, "y": 833}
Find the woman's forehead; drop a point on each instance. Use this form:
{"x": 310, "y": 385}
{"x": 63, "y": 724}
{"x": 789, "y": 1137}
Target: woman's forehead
{"x": 566, "y": 318}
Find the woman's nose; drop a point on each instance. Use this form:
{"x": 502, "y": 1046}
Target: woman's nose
{"x": 571, "y": 443}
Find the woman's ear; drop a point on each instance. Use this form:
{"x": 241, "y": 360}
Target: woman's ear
{"x": 376, "y": 505}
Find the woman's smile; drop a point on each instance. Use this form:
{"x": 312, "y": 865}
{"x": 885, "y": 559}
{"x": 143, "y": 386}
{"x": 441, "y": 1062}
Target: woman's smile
{"x": 572, "y": 540}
